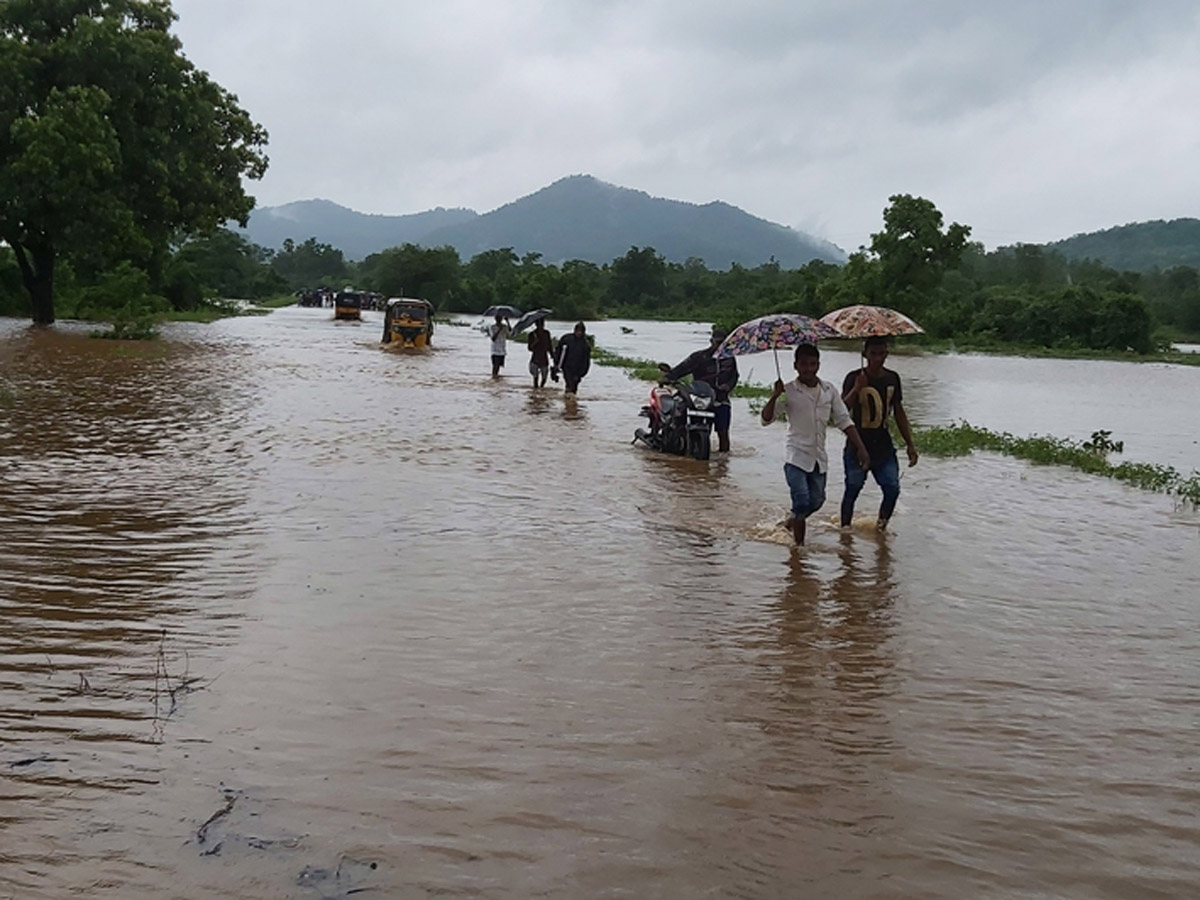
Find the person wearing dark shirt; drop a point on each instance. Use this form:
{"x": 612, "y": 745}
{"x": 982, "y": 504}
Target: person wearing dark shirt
{"x": 721, "y": 374}
{"x": 872, "y": 394}
{"x": 573, "y": 358}
{"x": 541, "y": 345}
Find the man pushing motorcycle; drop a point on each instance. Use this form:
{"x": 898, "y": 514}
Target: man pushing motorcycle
{"x": 721, "y": 374}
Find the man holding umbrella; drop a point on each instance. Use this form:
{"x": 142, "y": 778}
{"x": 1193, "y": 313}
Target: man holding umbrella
{"x": 499, "y": 333}
{"x": 811, "y": 404}
{"x": 718, "y": 372}
{"x": 872, "y": 394}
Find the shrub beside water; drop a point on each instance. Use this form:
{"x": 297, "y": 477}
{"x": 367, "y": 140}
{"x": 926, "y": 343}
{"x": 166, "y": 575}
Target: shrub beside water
{"x": 1089, "y": 456}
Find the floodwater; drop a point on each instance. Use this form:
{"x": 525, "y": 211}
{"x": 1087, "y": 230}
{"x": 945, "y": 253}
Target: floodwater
{"x": 286, "y": 615}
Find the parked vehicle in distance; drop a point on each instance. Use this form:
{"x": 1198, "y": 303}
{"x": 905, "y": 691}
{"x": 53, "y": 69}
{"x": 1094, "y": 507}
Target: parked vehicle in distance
{"x": 408, "y": 323}
{"x": 348, "y": 305}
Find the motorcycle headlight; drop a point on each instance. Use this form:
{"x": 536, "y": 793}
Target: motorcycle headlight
{"x": 702, "y": 403}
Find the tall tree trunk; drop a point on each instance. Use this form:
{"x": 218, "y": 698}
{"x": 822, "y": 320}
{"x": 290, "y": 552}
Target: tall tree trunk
{"x": 37, "y": 271}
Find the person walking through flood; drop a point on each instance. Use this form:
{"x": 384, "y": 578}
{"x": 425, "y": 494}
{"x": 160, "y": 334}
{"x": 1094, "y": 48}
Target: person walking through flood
{"x": 573, "y": 358}
{"x": 541, "y": 345}
{"x": 872, "y": 394}
{"x": 499, "y": 333}
{"x": 721, "y": 374}
{"x": 811, "y": 404}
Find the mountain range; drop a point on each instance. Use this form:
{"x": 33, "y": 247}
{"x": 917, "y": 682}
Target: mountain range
{"x": 578, "y": 217}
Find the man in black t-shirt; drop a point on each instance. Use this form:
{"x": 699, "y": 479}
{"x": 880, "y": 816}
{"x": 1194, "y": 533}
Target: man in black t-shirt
{"x": 721, "y": 374}
{"x": 872, "y": 394}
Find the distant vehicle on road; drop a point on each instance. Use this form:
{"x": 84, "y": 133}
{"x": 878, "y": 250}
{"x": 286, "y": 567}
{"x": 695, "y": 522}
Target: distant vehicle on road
{"x": 408, "y": 323}
{"x": 348, "y": 305}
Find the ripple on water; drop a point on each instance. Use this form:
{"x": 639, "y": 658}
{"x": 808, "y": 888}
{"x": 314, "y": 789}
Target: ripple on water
{"x": 460, "y": 631}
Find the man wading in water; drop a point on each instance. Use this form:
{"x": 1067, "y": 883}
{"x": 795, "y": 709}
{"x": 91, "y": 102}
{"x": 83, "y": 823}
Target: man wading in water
{"x": 573, "y": 358}
{"x": 811, "y": 404}
{"x": 540, "y": 347}
{"x": 870, "y": 395}
{"x": 719, "y": 374}
{"x": 499, "y": 333}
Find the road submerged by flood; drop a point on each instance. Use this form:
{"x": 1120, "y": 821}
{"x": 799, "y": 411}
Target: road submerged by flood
{"x": 286, "y": 615}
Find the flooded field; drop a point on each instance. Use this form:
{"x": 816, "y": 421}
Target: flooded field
{"x": 286, "y": 615}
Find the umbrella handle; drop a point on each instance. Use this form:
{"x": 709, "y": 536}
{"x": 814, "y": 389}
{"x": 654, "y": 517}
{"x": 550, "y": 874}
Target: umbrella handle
{"x": 777, "y": 371}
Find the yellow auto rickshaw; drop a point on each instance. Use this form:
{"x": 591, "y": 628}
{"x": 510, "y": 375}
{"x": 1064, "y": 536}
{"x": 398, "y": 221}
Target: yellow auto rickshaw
{"x": 408, "y": 323}
{"x": 348, "y": 305}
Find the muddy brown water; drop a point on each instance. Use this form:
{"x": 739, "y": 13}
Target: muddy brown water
{"x": 285, "y": 615}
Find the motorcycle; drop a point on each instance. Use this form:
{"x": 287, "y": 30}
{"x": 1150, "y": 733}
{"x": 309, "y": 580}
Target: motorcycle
{"x": 681, "y": 419}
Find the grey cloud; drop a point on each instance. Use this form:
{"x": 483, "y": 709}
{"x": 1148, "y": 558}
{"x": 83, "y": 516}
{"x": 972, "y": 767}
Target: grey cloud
{"x": 801, "y": 112}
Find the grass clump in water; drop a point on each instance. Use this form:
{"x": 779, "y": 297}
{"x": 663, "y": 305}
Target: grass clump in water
{"x": 647, "y": 370}
{"x": 641, "y": 369}
{"x": 1089, "y": 456}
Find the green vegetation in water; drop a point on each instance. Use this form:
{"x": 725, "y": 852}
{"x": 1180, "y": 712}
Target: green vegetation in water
{"x": 647, "y": 370}
{"x": 128, "y": 330}
{"x": 214, "y": 309}
{"x": 641, "y": 369}
{"x": 1089, "y": 456}
{"x": 274, "y": 302}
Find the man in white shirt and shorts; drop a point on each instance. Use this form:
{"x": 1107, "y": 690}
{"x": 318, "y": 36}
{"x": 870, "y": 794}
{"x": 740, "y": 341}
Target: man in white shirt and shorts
{"x": 499, "y": 334}
{"x": 811, "y": 405}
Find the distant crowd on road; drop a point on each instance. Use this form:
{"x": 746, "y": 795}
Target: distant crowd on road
{"x": 570, "y": 356}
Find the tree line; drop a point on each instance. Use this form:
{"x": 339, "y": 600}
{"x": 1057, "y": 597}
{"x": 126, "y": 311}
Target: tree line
{"x": 1022, "y": 295}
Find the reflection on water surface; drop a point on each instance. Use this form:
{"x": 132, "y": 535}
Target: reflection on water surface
{"x": 429, "y": 633}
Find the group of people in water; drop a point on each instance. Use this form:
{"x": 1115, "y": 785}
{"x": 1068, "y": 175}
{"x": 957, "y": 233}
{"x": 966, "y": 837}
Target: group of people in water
{"x": 870, "y": 396}
{"x": 570, "y": 356}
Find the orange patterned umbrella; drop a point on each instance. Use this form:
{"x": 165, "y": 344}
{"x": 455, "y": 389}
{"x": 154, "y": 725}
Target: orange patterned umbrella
{"x": 861, "y": 321}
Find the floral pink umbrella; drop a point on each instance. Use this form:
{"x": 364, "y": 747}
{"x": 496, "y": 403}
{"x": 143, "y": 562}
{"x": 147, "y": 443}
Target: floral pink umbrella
{"x": 772, "y": 332}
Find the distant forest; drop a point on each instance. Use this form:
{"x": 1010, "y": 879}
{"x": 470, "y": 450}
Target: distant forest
{"x": 1026, "y": 295}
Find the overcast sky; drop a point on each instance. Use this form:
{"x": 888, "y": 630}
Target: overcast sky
{"x": 1029, "y": 120}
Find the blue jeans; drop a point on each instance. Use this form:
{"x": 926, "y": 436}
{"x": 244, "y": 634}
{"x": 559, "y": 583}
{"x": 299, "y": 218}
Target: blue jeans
{"x": 886, "y": 471}
{"x": 808, "y": 490}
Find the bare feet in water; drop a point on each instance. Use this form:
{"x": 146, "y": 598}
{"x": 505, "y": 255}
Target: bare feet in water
{"x": 797, "y": 528}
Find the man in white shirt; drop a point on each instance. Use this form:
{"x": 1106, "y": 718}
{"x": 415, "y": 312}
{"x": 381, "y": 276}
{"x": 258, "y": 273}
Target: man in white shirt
{"x": 499, "y": 334}
{"x": 811, "y": 404}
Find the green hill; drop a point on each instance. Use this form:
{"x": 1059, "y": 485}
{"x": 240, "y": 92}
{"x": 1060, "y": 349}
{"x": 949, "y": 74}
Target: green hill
{"x": 1138, "y": 247}
{"x": 579, "y": 217}
{"x": 355, "y": 234}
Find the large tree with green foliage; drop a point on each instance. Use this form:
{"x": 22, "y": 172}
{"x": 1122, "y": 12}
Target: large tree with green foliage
{"x": 310, "y": 264}
{"x": 639, "y": 278}
{"x": 914, "y": 251}
{"x": 222, "y": 264}
{"x": 111, "y": 141}
{"x": 412, "y": 271}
